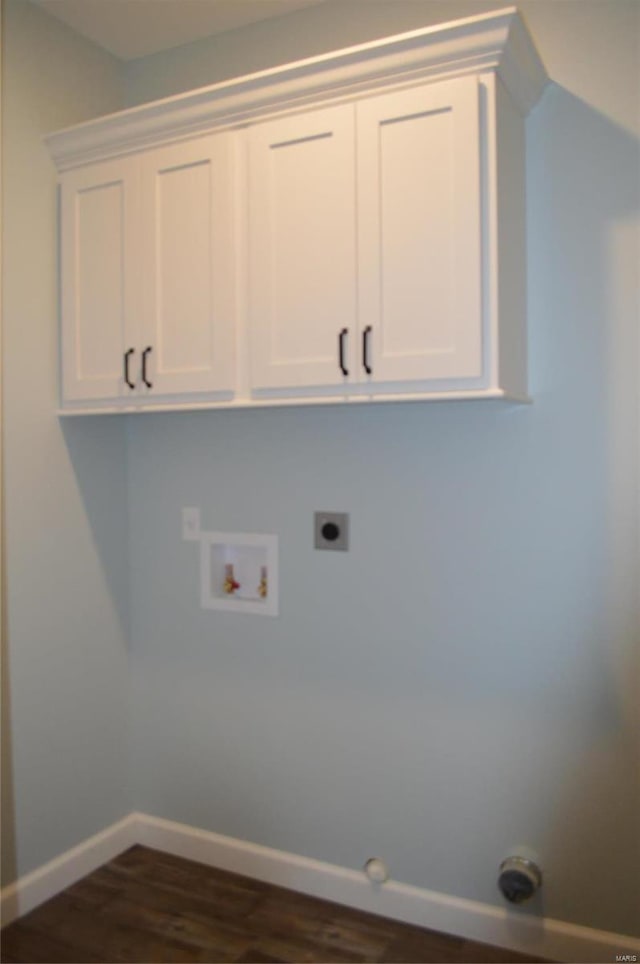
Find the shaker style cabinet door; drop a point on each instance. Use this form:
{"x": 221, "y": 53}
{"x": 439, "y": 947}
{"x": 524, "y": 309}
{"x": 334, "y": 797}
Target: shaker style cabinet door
{"x": 187, "y": 272}
{"x": 99, "y": 288}
{"x": 302, "y": 250}
{"x": 419, "y": 217}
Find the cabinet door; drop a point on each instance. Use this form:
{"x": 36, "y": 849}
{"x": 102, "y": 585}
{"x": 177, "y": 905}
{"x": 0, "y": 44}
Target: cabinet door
{"x": 188, "y": 267}
{"x": 302, "y": 249}
{"x": 420, "y": 232}
{"x": 99, "y": 306}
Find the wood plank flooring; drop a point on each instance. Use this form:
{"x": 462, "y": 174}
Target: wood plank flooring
{"x": 148, "y": 906}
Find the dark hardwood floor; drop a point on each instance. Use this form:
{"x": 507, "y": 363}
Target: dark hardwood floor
{"x": 151, "y": 907}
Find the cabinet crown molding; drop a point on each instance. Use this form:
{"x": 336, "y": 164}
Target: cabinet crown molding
{"x": 497, "y": 41}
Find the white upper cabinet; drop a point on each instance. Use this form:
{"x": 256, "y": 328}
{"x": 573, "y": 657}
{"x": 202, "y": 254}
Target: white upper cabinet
{"x": 188, "y": 267}
{"x": 302, "y": 289}
{"x": 419, "y": 219}
{"x": 148, "y": 275}
{"x": 346, "y": 228}
{"x": 99, "y": 298}
{"x": 365, "y": 256}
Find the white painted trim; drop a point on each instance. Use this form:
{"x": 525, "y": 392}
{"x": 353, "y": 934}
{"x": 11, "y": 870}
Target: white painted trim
{"x": 484, "y": 395}
{"x": 454, "y": 915}
{"x": 48, "y": 880}
{"x": 494, "y": 41}
{"x": 469, "y": 919}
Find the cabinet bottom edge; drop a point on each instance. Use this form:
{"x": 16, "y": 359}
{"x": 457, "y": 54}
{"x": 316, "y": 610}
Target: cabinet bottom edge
{"x": 492, "y": 394}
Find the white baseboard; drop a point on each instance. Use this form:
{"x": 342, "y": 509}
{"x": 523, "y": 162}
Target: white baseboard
{"x": 470, "y": 919}
{"x": 27, "y": 892}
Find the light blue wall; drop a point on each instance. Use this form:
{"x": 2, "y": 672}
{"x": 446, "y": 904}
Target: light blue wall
{"x": 65, "y": 495}
{"x": 466, "y": 677}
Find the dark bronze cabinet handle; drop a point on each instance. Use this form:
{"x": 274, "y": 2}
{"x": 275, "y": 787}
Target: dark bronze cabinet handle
{"x": 127, "y": 356}
{"x": 365, "y": 349}
{"x": 144, "y": 367}
{"x": 341, "y": 337}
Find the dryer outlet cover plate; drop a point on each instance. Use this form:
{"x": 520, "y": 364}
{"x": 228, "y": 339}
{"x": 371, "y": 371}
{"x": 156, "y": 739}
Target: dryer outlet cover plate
{"x": 331, "y": 531}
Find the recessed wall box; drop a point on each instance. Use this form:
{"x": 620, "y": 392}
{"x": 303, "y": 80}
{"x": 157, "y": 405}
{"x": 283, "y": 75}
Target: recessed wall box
{"x": 239, "y": 572}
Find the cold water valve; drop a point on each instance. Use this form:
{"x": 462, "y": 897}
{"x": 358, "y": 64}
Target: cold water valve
{"x": 519, "y": 879}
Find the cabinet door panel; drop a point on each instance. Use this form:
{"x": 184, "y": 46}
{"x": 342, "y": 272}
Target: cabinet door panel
{"x": 302, "y": 248}
{"x": 98, "y": 299}
{"x": 187, "y": 213}
{"x": 420, "y": 232}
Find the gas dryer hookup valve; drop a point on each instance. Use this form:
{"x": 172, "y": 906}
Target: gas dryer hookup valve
{"x": 519, "y": 879}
